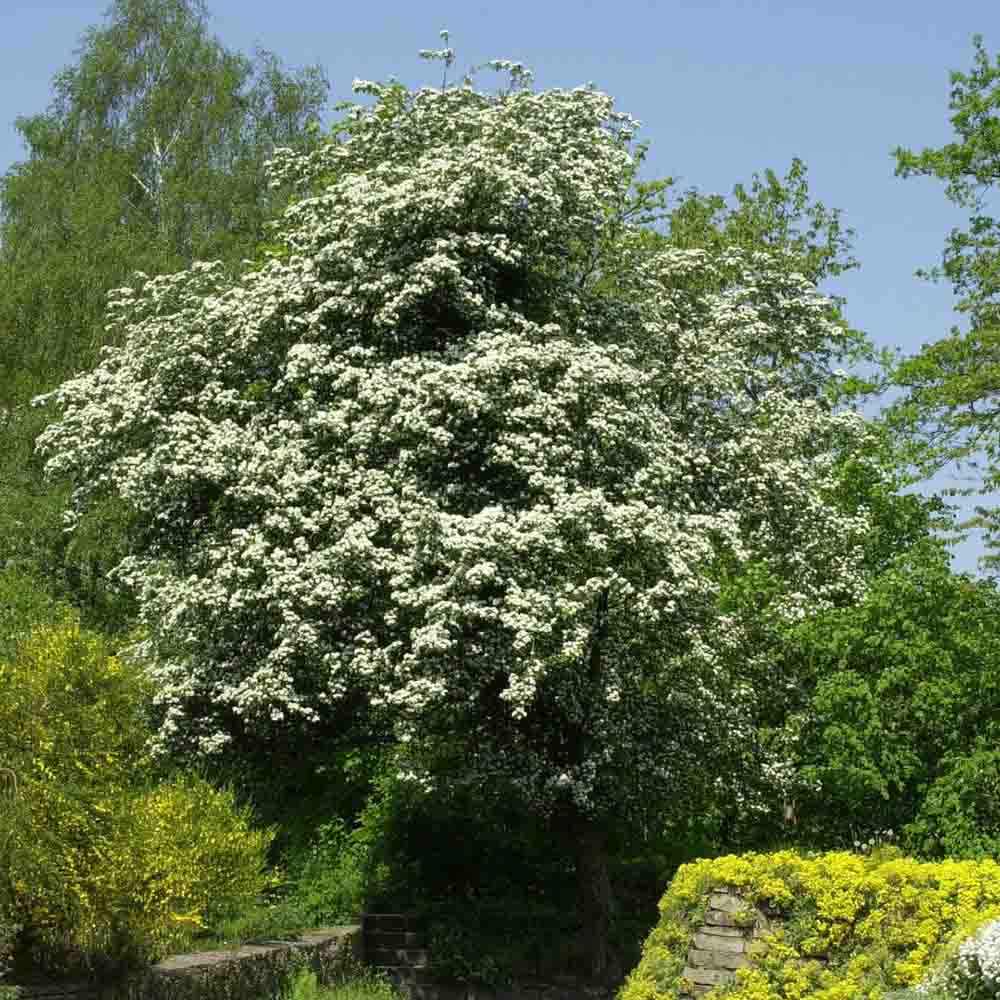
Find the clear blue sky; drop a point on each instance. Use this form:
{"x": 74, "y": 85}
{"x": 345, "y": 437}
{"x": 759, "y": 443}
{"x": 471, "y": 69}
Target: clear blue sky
{"x": 723, "y": 88}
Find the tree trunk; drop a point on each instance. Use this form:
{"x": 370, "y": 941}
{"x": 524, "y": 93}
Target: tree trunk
{"x": 595, "y": 898}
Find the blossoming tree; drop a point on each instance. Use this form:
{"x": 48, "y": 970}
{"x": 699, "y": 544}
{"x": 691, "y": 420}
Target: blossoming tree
{"x": 468, "y": 450}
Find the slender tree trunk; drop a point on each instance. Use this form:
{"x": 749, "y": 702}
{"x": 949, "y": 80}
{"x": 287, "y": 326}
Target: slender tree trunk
{"x": 595, "y": 897}
{"x": 590, "y": 842}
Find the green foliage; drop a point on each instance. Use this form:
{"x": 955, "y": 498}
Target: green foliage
{"x": 366, "y": 985}
{"x": 150, "y": 156}
{"x": 796, "y": 777}
{"x": 33, "y": 543}
{"x": 24, "y": 603}
{"x": 960, "y": 816}
{"x": 301, "y": 781}
{"x": 968, "y": 166}
{"x": 948, "y": 412}
{"x": 330, "y": 884}
{"x": 900, "y": 683}
{"x": 71, "y": 730}
{"x": 848, "y": 927}
{"x": 11, "y": 805}
{"x": 182, "y": 856}
{"x": 901, "y": 523}
{"x": 774, "y": 213}
{"x": 493, "y": 888}
{"x": 102, "y": 866}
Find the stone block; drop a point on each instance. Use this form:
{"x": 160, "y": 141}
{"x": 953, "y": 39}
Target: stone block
{"x": 719, "y": 942}
{"x": 726, "y": 902}
{"x": 720, "y": 918}
{"x": 724, "y": 930}
{"x": 716, "y": 959}
{"x": 707, "y": 977}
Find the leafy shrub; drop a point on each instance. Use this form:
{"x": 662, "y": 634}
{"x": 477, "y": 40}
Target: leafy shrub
{"x": 10, "y": 804}
{"x": 182, "y": 856}
{"x": 72, "y": 733}
{"x": 977, "y": 964}
{"x": 102, "y": 867}
{"x": 969, "y": 968}
{"x": 902, "y": 683}
{"x": 960, "y": 817}
{"x": 330, "y": 876}
{"x": 852, "y": 927}
{"x": 24, "y": 603}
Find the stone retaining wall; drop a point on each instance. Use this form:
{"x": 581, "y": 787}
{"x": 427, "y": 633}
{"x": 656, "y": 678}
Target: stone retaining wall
{"x": 209, "y": 974}
{"x": 719, "y": 947}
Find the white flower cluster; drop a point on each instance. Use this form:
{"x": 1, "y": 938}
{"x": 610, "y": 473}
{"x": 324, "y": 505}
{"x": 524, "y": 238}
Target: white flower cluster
{"x": 427, "y": 456}
{"x": 970, "y": 973}
{"x": 978, "y": 960}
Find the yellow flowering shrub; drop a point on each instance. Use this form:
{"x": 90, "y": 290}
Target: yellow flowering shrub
{"x": 851, "y": 927}
{"x": 180, "y": 856}
{"x": 99, "y": 864}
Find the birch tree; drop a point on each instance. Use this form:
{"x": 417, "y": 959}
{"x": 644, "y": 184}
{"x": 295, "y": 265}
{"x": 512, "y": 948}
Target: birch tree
{"x": 149, "y": 156}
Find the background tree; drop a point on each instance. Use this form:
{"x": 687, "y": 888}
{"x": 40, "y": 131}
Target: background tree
{"x": 150, "y": 156}
{"x": 418, "y": 460}
{"x": 766, "y": 795}
{"x": 949, "y": 411}
{"x": 902, "y": 685}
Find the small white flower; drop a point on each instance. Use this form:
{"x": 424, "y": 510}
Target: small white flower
{"x": 366, "y": 465}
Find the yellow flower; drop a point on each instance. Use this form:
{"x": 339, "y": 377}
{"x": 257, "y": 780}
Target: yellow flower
{"x": 854, "y": 927}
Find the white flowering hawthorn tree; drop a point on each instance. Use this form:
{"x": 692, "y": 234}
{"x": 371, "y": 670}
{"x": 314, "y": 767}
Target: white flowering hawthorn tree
{"x": 469, "y": 450}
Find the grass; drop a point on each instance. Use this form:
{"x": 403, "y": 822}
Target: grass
{"x": 275, "y": 922}
{"x": 365, "y": 985}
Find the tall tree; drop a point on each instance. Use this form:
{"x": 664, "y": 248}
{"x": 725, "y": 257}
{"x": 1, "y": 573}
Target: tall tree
{"x": 949, "y": 411}
{"x": 150, "y": 156}
{"x": 429, "y": 458}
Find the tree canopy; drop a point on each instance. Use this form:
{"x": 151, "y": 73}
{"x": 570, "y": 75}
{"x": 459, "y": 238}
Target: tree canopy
{"x": 430, "y": 455}
{"x": 150, "y": 156}
{"x": 949, "y": 412}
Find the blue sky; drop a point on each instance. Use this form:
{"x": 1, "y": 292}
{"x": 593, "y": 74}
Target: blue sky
{"x": 723, "y": 88}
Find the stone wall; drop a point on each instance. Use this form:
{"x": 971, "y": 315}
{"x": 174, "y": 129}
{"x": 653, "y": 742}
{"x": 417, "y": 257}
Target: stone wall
{"x": 209, "y": 974}
{"x": 720, "y": 946}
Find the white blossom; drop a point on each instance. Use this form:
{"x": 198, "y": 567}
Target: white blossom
{"x": 421, "y": 457}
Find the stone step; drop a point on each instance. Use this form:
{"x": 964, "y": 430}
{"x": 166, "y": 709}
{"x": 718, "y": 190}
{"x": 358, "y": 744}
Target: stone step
{"x": 377, "y": 922}
{"x": 414, "y": 957}
{"x": 407, "y": 975}
{"x": 394, "y": 939}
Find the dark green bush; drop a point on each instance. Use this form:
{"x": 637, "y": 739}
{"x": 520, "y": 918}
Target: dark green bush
{"x": 960, "y": 816}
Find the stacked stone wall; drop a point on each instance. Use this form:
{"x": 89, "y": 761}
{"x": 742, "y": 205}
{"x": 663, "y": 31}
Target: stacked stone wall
{"x": 721, "y": 944}
{"x": 208, "y": 974}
